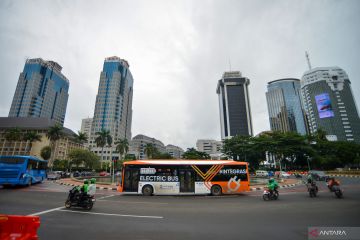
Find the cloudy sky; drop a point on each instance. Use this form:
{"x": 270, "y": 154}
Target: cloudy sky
{"x": 177, "y": 51}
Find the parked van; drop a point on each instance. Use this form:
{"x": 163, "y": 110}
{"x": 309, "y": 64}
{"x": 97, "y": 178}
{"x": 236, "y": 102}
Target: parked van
{"x": 261, "y": 173}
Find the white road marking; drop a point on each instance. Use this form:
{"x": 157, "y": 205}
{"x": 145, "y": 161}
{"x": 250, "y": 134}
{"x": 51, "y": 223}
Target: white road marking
{"x": 110, "y": 214}
{"x": 46, "y": 211}
{"x": 131, "y": 202}
{"x": 105, "y": 197}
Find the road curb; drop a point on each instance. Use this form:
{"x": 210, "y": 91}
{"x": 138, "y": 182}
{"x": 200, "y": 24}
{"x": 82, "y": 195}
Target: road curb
{"x": 344, "y": 175}
{"x": 281, "y": 186}
{"x": 98, "y": 188}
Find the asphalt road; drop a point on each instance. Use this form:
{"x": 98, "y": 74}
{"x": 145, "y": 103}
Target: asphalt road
{"x": 245, "y": 216}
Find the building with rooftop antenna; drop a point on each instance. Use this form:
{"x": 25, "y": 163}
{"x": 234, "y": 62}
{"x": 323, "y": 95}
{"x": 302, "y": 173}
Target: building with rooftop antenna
{"x": 329, "y": 103}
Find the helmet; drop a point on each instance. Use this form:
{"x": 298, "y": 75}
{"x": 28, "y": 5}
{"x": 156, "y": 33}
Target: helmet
{"x": 86, "y": 181}
{"x": 93, "y": 180}
{"x": 271, "y": 180}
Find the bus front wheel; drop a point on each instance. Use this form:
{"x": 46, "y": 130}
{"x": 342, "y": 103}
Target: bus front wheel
{"x": 147, "y": 190}
{"x": 216, "y": 190}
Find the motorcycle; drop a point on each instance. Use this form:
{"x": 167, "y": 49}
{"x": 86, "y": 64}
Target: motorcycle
{"x": 312, "y": 189}
{"x": 267, "y": 195}
{"x": 77, "y": 199}
{"x": 338, "y": 192}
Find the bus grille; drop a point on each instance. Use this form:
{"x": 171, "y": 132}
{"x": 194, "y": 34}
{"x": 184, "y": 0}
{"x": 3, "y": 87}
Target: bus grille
{"x": 9, "y": 174}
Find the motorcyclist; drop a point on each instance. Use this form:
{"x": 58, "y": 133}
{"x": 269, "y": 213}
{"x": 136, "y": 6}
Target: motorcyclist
{"x": 310, "y": 178}
{"x": 92, "y": 187}
{"x": 311, "y": 182}
{"x": 84, "y": 189}
{"x": 75, "y": 193}
{"x": 333, "y": 182}
{"x": 272, "y": 185}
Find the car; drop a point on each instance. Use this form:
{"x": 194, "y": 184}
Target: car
{"x": 261, "y": 173}
{"x": 76, "y": 174}
{"x": 319, "y": 175}
{"x": 53, "y": 176}
{"x": 282, "y": 174}
{"x": 103, "y": 174}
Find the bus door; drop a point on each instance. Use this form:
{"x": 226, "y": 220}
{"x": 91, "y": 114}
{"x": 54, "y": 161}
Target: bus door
{"x": 131, "y": 180}
{"x": 187, "y": 180}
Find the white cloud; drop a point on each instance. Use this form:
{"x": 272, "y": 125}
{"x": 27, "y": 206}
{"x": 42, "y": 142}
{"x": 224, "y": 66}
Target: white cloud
{"x": 177, "y": 51}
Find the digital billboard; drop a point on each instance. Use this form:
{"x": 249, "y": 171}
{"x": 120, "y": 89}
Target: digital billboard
{"x": 324, "y": 105}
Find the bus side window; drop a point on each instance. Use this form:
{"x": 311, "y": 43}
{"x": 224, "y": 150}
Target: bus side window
{"x": 29, "y": 166}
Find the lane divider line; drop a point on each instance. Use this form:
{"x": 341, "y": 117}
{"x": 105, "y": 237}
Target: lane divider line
{"x": 46, "y": 211}
{"x": 110, "y": 214}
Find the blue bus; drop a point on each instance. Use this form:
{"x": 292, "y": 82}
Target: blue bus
{"x": 22, "y": 170}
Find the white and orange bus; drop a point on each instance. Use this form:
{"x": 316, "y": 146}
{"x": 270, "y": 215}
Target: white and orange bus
{"x": 172, "y": 177}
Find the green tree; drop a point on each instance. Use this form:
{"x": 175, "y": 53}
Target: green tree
{"x": 83, "y": 157}
{"x": 103, "y": 138}
{"x": 192, "y": 153}
{"x": 31, "y": 137}
{"x": 45, "y": 152}
{"x": 61, "y": 164}
{"x": 246, "y": 148}
{"x": 13, "y": 135}
{"x": 81, "y": 137}
{"x": 149, "y": 150}
{"x": 159, "y": 155}
{"x": 54, "y": 134}
{"x": 122, "y": 147}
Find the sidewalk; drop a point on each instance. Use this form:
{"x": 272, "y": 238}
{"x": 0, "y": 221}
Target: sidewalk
{"x": 72, "y": 182}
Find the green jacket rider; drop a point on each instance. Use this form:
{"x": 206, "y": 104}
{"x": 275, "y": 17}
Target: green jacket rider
{"x": 272, "y": 185}
{"x": 85, "y": 187}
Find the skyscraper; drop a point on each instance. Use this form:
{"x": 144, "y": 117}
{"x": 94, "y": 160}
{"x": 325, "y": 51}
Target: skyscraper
{"x": 284, "y": 106}
{"x": 42, "y": 91}
{"x": 329, "y": 103}
{"x": 113, "y": 107}
{"x": 86, "y": 128}
{"x": 235, "y": 115}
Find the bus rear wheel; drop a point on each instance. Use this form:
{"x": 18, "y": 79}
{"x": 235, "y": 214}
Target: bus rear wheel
{"x": 216, "y": 190}
{"x": 147, "y": 190}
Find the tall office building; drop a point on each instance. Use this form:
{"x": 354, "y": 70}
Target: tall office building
{"x": 42, "y": 91}
{"x": 284, "y": 105}
{"x": 113, "y": 107}
{"x": 138, "y": 144}
{"x": 329, "y": 103}
{"x": 209, "y": 146}
{"x": 235, "y": 115}
{"x": 86, "y": 128}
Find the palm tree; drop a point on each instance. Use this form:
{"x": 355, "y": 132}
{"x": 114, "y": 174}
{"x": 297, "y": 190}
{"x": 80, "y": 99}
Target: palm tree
{"x": 13, "y": 135}
{"x": 149, "y": 150}
{"x": 54, "y": 134}
{"x": 81, "y": 137}
{"x": 31, "y": 137}
{"x": 122, "y": 146}
{"x": 103, "y": 138}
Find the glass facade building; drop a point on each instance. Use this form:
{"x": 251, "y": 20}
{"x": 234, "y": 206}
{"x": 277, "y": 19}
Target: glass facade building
{"x": 42, "y": 91}
{"x": 234, "y": 105}
{"x": 329, "y": 104}
{"x": 113, "y": 107}
{"x": 284, "y": 105}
